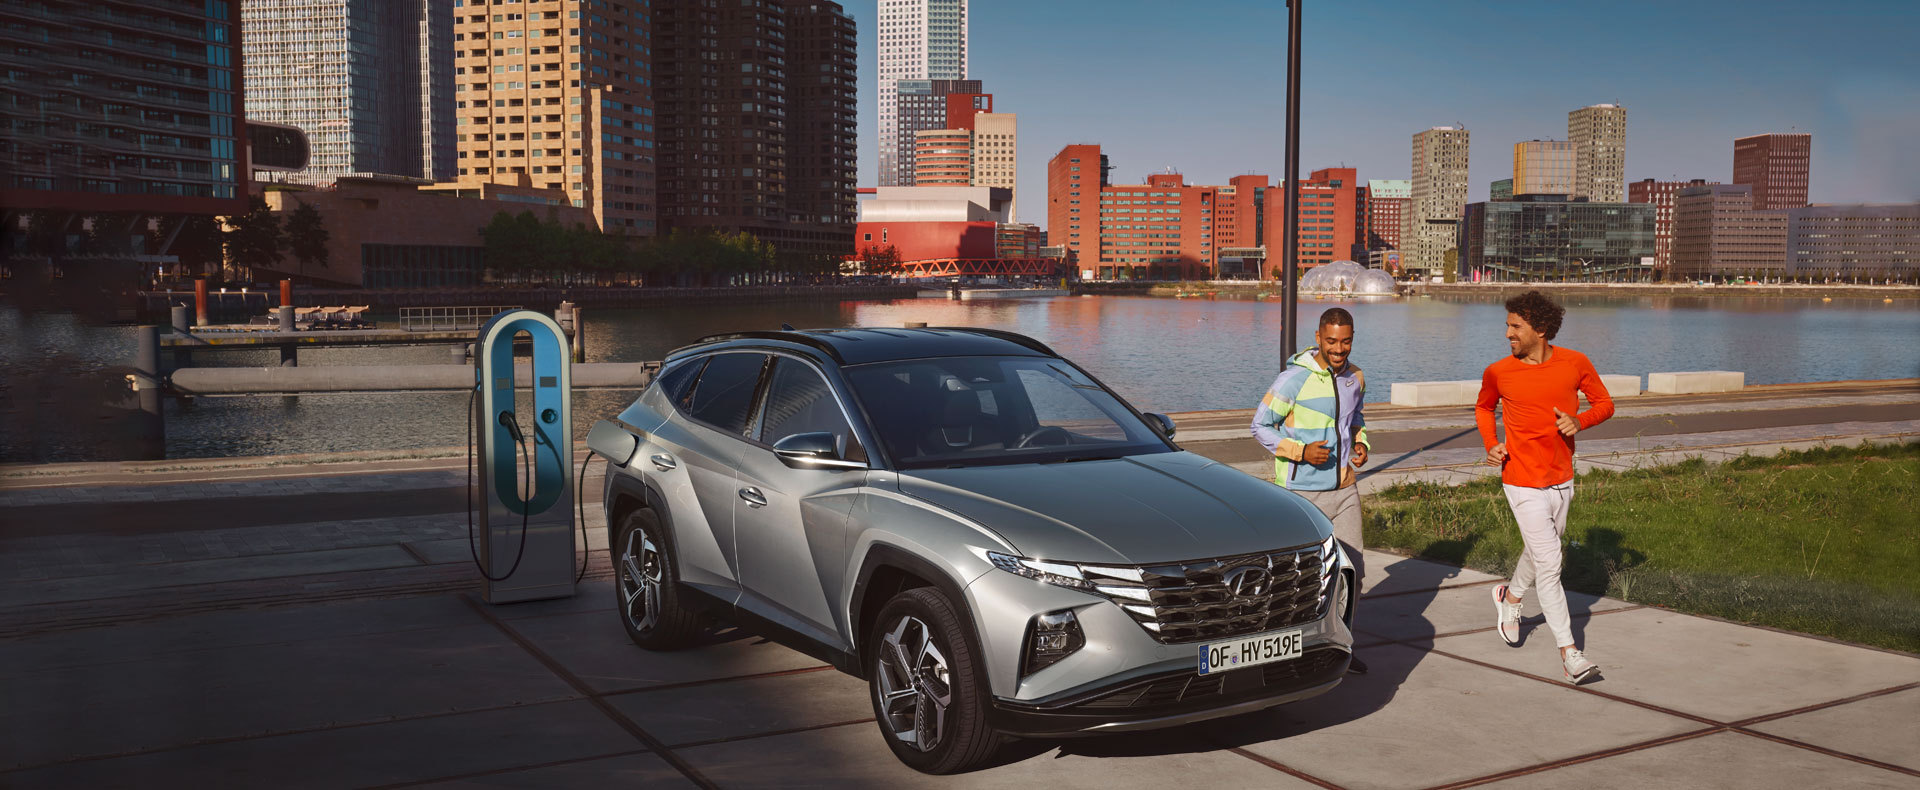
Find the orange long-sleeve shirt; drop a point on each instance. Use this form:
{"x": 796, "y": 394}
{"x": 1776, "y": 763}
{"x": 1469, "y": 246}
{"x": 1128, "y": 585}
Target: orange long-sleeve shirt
{"x": 1537, "y": 455}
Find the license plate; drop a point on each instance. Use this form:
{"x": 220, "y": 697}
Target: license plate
{"x": 1250, "y": 651}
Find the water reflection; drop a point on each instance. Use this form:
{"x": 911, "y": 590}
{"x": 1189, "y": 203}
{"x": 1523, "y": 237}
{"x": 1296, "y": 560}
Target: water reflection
{"x": 1162, "y": 354}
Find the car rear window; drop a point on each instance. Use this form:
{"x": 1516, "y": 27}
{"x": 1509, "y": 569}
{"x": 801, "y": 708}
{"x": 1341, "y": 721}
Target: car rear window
{"x": 724, "y": 395}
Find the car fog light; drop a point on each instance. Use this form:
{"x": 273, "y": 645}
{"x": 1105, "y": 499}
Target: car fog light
{"x": 1051, "y": 637}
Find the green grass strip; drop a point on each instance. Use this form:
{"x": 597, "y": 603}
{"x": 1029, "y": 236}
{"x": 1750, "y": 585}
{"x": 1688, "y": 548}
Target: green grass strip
{"x": 1823, "y": 541}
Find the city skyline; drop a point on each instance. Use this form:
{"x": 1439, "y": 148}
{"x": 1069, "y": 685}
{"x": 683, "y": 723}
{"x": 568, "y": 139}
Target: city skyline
{"x": 1844, "y": 75}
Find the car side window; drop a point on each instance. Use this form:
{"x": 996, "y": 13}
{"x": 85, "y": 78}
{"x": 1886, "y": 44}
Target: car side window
{"x": 676, "y": 382}
{"x": 723, "y": 398}
{"x": 800, "y": 401}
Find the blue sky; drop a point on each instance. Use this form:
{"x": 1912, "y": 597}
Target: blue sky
{"x": 1200, "y": 86}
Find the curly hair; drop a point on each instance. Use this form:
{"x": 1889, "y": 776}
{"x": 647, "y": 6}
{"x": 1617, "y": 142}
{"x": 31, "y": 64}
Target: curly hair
{"x": 1539, "y": 312}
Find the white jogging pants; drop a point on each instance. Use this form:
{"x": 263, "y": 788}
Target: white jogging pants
{"x": 1542, "y": 513}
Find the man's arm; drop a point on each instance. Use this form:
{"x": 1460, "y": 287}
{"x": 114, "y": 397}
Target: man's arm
{"x": 1599, "y": 401}
{"x": 1483, "y": 415}
{"x": 1270, "y": 417}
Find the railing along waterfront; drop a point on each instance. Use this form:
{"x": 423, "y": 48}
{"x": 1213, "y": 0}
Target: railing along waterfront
{"x": 448, "y": 319}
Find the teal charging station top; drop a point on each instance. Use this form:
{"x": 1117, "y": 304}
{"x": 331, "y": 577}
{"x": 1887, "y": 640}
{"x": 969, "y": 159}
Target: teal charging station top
{"x": 526, "y": 551}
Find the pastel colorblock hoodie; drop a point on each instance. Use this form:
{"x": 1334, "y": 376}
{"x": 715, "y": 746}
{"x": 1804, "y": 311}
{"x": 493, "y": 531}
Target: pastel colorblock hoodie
{"x": 1307, "y": 403}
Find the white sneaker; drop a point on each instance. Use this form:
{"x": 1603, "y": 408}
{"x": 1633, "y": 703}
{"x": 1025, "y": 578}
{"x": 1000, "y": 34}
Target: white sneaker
{"x": 1578, "y": 669}
{"x": 1506, "y": 620}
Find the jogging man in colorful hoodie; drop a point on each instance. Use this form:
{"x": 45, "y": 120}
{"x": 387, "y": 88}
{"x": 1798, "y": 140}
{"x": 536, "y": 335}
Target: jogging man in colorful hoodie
{"x": 1537, "y": 389}
{"x": 1310, "y": 420}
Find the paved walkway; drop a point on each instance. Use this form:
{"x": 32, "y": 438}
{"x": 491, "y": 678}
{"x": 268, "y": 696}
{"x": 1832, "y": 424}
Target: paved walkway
{"x": 305, "y": 623}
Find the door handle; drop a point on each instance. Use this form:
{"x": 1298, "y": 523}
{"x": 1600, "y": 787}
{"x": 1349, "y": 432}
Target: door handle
{"x": 664, "y": 462}
{"x": 753, "y": 497}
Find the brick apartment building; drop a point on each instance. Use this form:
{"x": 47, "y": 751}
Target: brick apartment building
{"x": 1776, "y": 166}
{"x": 1661, "y": 194}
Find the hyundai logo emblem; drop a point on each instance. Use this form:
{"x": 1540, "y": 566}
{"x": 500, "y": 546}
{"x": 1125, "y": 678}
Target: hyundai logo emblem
{"x": 1249, "y": 582}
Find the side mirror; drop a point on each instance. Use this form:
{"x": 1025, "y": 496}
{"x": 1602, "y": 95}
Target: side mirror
{"x": 1162, "y": 422}
{"x": 612, "y": 442}
{"x": 816, "y": 450}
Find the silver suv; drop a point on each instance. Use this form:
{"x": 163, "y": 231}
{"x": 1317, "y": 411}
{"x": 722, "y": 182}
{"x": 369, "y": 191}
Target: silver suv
{"x": 981, "y": 530}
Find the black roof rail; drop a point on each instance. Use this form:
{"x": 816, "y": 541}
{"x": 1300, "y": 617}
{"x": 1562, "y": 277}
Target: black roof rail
{"x": 1001, "y": 334}
{"x": 798, "y": 338}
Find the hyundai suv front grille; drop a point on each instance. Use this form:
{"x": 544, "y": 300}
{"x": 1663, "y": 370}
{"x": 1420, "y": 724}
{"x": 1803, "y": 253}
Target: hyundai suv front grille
{"x": 1224, "y": 597}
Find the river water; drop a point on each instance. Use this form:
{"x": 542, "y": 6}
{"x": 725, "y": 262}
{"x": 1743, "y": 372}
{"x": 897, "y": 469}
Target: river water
{"x": 1161, "y": 354}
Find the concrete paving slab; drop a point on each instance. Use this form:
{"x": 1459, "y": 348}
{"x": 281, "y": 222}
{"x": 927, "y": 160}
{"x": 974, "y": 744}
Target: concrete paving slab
{"x": 633, "y": 770}
{"x": 1419, "y": 720}
{"x": 1392, "y": 574}
{"x": 127, "y": 579}
{"x": 1871, "y": 728}
{"x": 388, "y": 753}
{"x": 594, "y": 647}
{"x": 739, "y": 708}
{"x": 1727, "y": 759}
{"x": 180, "y": 698}
{"x": 1721, "y": 671}
{"x": 855, "y": 756}
{"x": 590, "y": 595}
{"x": 144, "y": 641}
{"x": 1422, "y": 616}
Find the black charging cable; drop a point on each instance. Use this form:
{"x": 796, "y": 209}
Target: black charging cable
{"x": 580, "y": 504}
{"x": 526, "y": 507}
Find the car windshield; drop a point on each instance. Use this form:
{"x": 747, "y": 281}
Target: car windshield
{"x": 972, "y": 411}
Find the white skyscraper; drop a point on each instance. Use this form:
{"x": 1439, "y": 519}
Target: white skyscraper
{"x": 919, "y": 40}
{"x": 1599, "y": 136}
{"x": 1439, "y": 195}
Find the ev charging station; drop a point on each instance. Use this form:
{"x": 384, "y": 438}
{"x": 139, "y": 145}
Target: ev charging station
{"x": 525, "y": 550}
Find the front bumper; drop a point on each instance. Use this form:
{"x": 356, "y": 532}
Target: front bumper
{"x": 1178, "y": 697}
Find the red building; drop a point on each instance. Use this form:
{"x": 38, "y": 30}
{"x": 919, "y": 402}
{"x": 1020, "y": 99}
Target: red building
{"x": 1661, "y": 194}
{"x": 1387, "y": 201}
{"x": 1166, "y": 228}
{"x": 949, "y": 231}
{"x": 1776, "y": 166}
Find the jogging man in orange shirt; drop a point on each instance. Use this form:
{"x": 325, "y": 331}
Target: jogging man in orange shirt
{"x": 1538, "y": 391}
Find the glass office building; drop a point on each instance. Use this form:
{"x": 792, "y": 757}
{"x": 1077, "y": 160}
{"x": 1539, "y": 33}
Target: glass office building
{"x": 1552, "y": 238}
{"x": 369, "y": 81}
{"x": 114, "y": 105}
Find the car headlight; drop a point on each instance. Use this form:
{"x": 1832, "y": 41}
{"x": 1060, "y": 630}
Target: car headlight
{"x": 1055, "y": 573}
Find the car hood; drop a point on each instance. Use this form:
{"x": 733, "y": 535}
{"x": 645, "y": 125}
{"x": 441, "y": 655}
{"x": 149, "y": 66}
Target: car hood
{"x": 1141, "y": 509}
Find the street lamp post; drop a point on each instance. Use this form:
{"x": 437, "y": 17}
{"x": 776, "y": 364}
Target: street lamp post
{"x": 1291, "y": 238}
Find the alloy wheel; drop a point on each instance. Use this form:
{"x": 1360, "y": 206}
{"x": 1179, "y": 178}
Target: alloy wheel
{"x": 915, "y": 685}
{"x": 641, "y": 576}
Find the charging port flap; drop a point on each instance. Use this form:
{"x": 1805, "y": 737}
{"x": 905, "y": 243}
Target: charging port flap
{"x": 612, "y": 442}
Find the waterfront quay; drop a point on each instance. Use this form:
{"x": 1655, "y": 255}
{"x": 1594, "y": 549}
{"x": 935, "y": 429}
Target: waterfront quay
{"x": 314, "y": 621}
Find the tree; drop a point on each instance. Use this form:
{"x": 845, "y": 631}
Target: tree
{"x": 195, "y": 240}
{"x": 307, "y": 237}
{"x": 875, "y": 259}
{"x": 254, "y": 239}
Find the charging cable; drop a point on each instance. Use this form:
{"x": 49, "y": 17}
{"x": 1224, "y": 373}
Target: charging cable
{"x": 580, "y": 504}
{"x": 513, "y": 426}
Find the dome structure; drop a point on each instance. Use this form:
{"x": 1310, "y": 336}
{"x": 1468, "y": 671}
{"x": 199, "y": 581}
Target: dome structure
{"x": 1347, "y": 277}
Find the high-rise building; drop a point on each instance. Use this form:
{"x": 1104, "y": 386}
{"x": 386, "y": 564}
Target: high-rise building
{"x": 1386, "y": 207}
{"x": 1500, "y": 190}
{"x": 823, "y": 79}
{"x": 918, "y": 40}
{"x": 1074, "y": 179}
{"x": 996, "y": 153}
{"x": 734, "y": 165}
{"x": 563, "y": 98}
{"x": 1599, "y": 136}
{"x": 1878, "y": 241}
{"x": 1543, "y": 167}
{"x": 122, "y": 105}
{"x": 923, "y": 104}
{"x": 1552, "y": 237}
{"x": 1718, "y": 233}
{"x": 369, "y": 81}
{"x": 1661, "y": 195}
{"x": 1439, "y": 195}
{"x": 1776, "y": 166}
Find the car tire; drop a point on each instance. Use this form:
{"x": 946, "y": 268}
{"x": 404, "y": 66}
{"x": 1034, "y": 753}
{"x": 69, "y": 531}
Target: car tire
{"x": 918, "y": 649}
{"x": 646, "y": 586}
